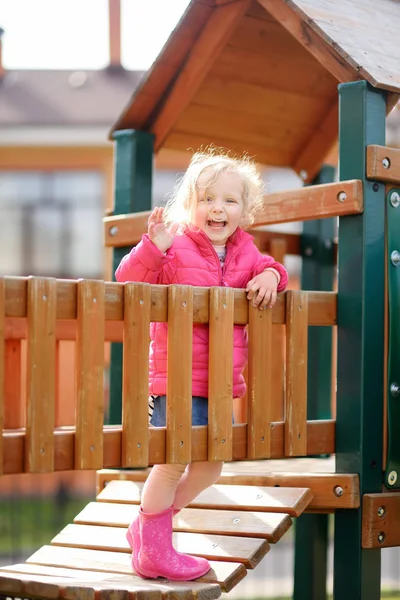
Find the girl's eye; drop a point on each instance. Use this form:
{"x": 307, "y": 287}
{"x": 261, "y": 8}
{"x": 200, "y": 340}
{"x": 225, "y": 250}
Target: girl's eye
{"x": 231, "y": 200}
{"x": 209, "y": 199}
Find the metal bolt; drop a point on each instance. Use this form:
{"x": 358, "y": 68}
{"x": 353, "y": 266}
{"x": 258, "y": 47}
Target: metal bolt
{"x": 342, "y": 196}
{"x": 395, "y": 258}
{"x": 184, "y": 304}
{"x": 394, "y": 199}
{"x": 141, "y": 301}
{"x": 381, "y": 537}
{"x": 381, "y": 511}
{"x": 139, "y": 445}
{"x": 92, "y": 448}
{"x": 259, "y": 496}
{"x": 94, "y": 300}
{"x": 236, "y": 521}
{"x": 395, "y": 389}
{"x": 181, "y": 443}
{"x": 113, "y": 230}
{"x": 303, "y": 174}
{"x": 262, "y": 438}
{"x": 45, "y": 297}
{"x": 41, "y": 450}
{"x": 338, "y": 491}
{"x": 214, "y": 545}
{"x": 392, "y": 477}
{"x": 223, "y": 440}
{"x": 386, "y": 162}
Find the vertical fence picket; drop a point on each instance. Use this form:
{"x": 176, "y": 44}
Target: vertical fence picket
{"x": 296, "y": 373}
{"x": 220, "y": 372}
{"x": 14, "y": 407}
{"x": 40, "y": 380}
{"x": 259, "y": 384}
{"x": 179, "y": 380}
{"x": 89, "y": 375}
{"x": 278, "y": 251}
{"x": 135, "y": 389}
{"x": 2, "y": 367}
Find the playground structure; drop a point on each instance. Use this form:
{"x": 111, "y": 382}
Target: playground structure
{"x": 193, "y": 96}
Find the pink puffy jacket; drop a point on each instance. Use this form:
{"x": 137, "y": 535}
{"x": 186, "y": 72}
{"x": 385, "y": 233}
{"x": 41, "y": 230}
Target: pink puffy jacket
{"x": 192, "y": 260}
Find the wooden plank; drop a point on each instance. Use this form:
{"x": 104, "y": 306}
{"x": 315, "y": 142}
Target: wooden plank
{"x": 292, "y": 501}
{"x": 14, "y": 409}
{"x": 89, "y": 375}
{"x": 381, "y": 520}
{"x": 322, "y": 305}
{"x": 215, "y": 34}
{"x": 259, "y": 384}
{"x": 40, "y": 375}
{"x": 135, "y": 389}
{"x": 383, "y": 163}
{"x": 320, "y": 440}
{"x": 179, "y": 370}
{"x": 125, "y": 230}
{"x": 22, "y": 585}
{"x": 248, "y": 551}
{"x": 268, "y": 526}
{"x": 2, "y": 368}
{"x": 279, "y": 249}
{"x": 87, "y": 585}
{"x": 226, "y": 574}
{"x": 220, "y": 374}
{"x": 296, "y": 374}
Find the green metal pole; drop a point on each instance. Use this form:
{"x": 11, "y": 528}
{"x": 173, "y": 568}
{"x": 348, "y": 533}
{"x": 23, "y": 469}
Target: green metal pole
{"x": 133, "y": 179}
{"x": 360, "y": 374}
{"x": 318, "y": 270}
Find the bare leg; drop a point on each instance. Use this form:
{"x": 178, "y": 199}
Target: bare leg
{"x": 160, "y": 487}
{"x": 197, "y": 477}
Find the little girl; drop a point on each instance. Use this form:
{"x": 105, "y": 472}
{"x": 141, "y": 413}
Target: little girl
{"x": 198, "y": 239}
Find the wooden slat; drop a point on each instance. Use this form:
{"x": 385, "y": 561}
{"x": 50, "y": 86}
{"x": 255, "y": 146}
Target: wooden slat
{"x": 248, "y": 551}
{"x": 220, "y": 372}
{"x": 296, "y": 374}
{"x": 292, "y": 501}
{"x": 376, "y": 155}
{"x": 259, "y": 384}
{"x": 89, "y": 375}
{"x": 2, "y": 368}
{"x": 75, "y": 584}
{"x": 217, "y": 31}
{"x": 322, "y": 306}
{"x": 381, "y": 520}
{"x": 279, "y": 249}
{"x": 135, "y": 392}
{"x": 268, "y": 526}
{"x": 40, "y": 376}
{"x": 179, "y": 378}
{"x": 226, "y": 574}
{"x": 331, "y": 490}
{"x": 320, "y": 440}
{"x": 14, "y": 410}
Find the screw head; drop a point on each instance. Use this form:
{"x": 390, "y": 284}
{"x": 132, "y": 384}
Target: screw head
{"x": 395, "y": 389}
{"x": 394, "y": 199}
{"x": 386, "y": 162}
{"x": 395, "y": 258}
{"x": 303, "y": 174}
{"x": 392, "y": 477}
{"x": 113, "y": 230}
{"x": 342, "y": 196}
{"x": 338, "y": 491}
{"x": 381, "y": 537}
{"x": 381, "y": 511}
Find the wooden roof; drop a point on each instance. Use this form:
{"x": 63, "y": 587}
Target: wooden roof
{"x": 261, "y": 76}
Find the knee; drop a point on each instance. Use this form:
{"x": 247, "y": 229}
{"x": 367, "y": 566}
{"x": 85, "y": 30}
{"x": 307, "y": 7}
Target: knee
{"x": 208, "y": 472}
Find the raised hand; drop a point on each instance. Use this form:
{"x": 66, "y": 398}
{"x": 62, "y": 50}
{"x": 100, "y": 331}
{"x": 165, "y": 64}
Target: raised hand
{"x": 159, "y": 234}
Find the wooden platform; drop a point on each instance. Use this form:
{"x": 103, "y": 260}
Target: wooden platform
{"x": 230, "y": 525}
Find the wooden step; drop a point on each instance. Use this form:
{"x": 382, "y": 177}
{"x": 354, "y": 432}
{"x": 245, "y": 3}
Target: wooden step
{"x": 269, "y": 526}
{"x": 248, "y": 551}
{"x": 292, "y": 501}
{"x": 226, "y": 574}
{"x": 41, "y": 581}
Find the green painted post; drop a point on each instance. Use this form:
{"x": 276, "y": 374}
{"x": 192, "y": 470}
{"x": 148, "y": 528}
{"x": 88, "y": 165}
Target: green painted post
{"x": 359, "y": 426}
{"x": 318, "y": 270}
{"x": 133, "y": 179}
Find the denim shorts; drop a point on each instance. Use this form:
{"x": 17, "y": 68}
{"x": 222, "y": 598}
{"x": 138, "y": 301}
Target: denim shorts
{"x": 199, "y": 411}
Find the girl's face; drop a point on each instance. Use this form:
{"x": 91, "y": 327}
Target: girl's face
{"x": 220, "y": 206}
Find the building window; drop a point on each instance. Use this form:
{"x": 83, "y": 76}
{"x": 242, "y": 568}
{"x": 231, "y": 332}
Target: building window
{"x": 51, "y": 223}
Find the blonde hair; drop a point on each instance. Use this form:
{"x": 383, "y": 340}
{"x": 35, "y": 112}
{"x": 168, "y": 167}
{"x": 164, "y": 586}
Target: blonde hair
{"x": 180, "y": 207}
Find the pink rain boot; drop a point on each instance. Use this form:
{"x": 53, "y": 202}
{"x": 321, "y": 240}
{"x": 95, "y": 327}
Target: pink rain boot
{"x": 133, "y": 537}
{"x": 157, "y": 556}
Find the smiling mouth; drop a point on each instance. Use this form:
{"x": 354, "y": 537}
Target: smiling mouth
{"x": 216, "y": 224}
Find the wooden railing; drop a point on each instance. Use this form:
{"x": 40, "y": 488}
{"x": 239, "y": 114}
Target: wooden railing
{"x": 45, "y": 311}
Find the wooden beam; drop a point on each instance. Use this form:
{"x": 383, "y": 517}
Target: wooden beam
{"x": 383, "y": 163}
{"x": 381, "y": 520}
{"x": 205, "y": 50}
{"x": 322, "y": 305}
{"x": 303, "y": 204}
{"x": 320, "y": 440}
